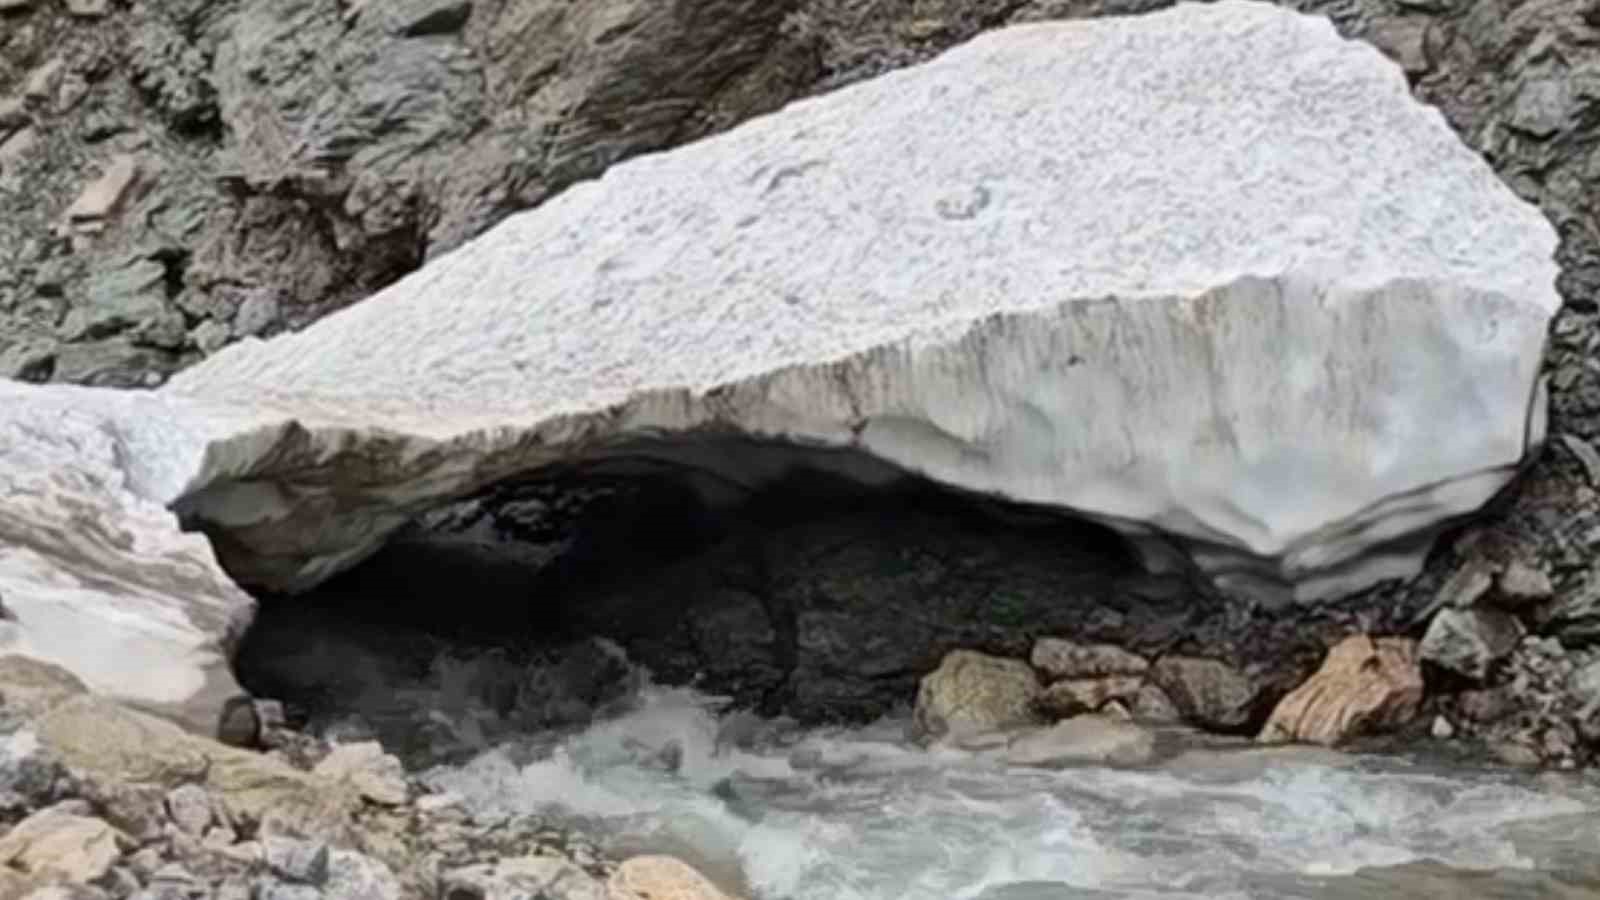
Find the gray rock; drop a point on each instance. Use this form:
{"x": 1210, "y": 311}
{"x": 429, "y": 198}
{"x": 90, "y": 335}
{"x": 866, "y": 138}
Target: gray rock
{"x": 267, "y": 889}
{"x": 1057, "y": 658}
{"x": 1545, "y": 106}
{"x": 1209, "y": 692}
{"x": 354, "y": 876}
{"x": 1469, "y": 641}
{"x": 303, "y": 862}
{"x": 1522, "y": 584}
{"x": 257, "y": 313}
{"x": 1584, "y": 685}
{"x": 190, "y": 808}
{"x": 128, "y": 296}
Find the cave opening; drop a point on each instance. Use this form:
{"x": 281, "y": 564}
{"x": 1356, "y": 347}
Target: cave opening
{"x": 823, "y": 593}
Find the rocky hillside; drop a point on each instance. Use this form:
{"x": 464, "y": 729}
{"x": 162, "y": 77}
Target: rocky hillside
{"x": 180, "y": 174}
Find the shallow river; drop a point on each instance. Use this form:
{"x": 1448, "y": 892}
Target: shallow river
{"x": 781, "y": 814}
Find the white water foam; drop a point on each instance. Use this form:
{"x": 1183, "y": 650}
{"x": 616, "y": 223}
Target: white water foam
{"x": 861, "y": 815}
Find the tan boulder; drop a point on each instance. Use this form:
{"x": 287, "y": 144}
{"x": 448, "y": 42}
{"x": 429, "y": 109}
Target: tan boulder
{"x": 57, "y": 845}
{"x": 972, "y": 692}
{"x": 661, "y": 878}
{"x": 1364, "y": 686}
{"x": 124, "y": 753}
{"x": 1073, "y": 696}
{"x": 1057, "y": 658}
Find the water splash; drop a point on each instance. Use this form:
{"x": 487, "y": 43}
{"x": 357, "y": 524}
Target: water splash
{"x": 860, "y": 814}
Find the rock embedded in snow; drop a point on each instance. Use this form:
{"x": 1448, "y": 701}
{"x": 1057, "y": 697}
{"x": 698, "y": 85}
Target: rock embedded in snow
{"x": 1209, "y": 273}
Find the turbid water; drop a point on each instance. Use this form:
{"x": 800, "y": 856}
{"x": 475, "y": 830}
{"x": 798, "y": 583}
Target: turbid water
{"x": 780, "y": 813}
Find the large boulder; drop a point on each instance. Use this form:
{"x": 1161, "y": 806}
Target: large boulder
{"x": 971, "y": 693}
{"x": 1209, "y": 273}
{"x": 1365, "y": 686}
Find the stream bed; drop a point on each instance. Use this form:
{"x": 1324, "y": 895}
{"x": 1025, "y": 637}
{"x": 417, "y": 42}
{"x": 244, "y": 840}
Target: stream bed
{"x": 776, "y": 812}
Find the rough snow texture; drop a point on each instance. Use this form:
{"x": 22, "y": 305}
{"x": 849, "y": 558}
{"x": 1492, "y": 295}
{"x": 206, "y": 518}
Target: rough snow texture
{"x": 1209, "y": 272}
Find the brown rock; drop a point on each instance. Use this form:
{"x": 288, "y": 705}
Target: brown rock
{"x": 1081, "y": 695}
{"x": 974, "y": 692}
{"x": 661, "y": 878}
{"x": 1365, "y": 686}
{"x": 1208, "y": 692}
{"x": 1057, "y": 658}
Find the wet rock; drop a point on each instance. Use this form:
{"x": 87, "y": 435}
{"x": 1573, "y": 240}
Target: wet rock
{"x": 661, "y": 878}
{"x": 1516, "y": 753}
{"x": 370, "y": 771}
{"x": 1072, "y": 696}
{"x": 974, "y": 692}
{"x": 1469, "y": 641}
{"x": 52, "y": 844}
{"x": 1057, "y": 658}
{"x": 1365, "y": 686}
{"x": 1082, "y": 740}
{"x": 1209, "y": 692}
{"x": 510, "y": 879}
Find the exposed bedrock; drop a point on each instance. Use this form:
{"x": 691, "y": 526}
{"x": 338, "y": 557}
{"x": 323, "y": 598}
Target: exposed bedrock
{"x": 1209, "y": 274}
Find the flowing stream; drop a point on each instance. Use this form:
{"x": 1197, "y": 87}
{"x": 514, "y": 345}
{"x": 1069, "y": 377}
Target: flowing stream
{"x": 779, "y": 813}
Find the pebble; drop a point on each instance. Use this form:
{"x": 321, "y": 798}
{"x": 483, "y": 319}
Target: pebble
{"x": 1442, "y": 729}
